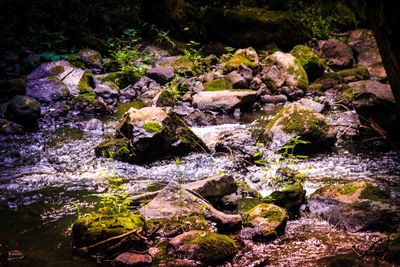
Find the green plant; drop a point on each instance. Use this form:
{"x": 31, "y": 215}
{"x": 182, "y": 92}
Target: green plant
{"x": 194, "y": 54}
{"x": 162, "y": 35}
{"x": 173, "y": 88}
{"x": 279, "y": 171}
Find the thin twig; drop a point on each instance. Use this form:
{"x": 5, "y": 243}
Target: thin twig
{"x": 342, "y": 133}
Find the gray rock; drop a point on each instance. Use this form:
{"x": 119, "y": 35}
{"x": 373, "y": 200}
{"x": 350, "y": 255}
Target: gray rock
{"x": 198, "y": 87}
{"x": 183, "y": 108}
{"x": 103, "y": 88}
{"x": 92, "y": 125}
{"x": 239, "y": 142}
{"x": 237, "y": 81}
{"x": 200, "y": 119}
{"x": 308, "y": 103}
{"x": 160, "y": 74}
{"x": 336, "y": 52}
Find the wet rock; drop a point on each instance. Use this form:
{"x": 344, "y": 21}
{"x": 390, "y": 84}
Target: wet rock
{"x": 290, "y": 198}
{"x": 91, "y": 58}
{"x": 92, "y": 125}
{"x": 312, "y": 64}
{"x": 224, "y": 101}
{"x": 247, "y": 57}
{"x": 309, "y": 103}
{"x": 133, "y": 259}
{"x": 336, "y": 52}
{"x": 158, "y": 132}
{"x": 264, "y": 222}
{"x": 363, "y": 42}
{"x": 90, "y": 229}
{"x": 295, "y": 119}
{"x": 105, "y": 87}
{"x": 174, "y": 199}
{"x": 9, "y": 127}
{"x": 11, "y": 88}
{"x": 246, "y": 73}
{"x": 198, "y": 87}
{"x": 238, "y": 143}
{"x": 354, "y": 206}
{"x": 207, "y": 247}
{"x": 55, "y": 81}
{"x": 160, "y": 74}
{"x": 283, "y": 69}
{"x": 331, "y": 79}
{"x": 200, "y": 119}
{"x": 375, "y": 101}
{"x": 171, "y": 227}
{"x": 89, "y": 104}
{"x": 274, "y": 99}
{"x": 23, "y": 110}
{"x": 237, "y": 81}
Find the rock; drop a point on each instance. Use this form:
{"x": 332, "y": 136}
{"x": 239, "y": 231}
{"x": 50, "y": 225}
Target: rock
{"x": 239, "y": 142}
{"x": 274, "y": 99}
{"x": 55, "y": 81}
{"x": 183, "y": 109}
{"x": 171, "y": 227}
{"x": 207, "y": 247}
{"x": 105, "y": 87}
{"x": 198, "y": 87}
{"x": 199, "y": 119}
{"x": 224, "y": 101}
{"x": 89, "y": 104}
{"x": 331, "y": 79}
{"x": 267, "y": 220}
{"x": 90, "y": 229}
{"x": 91, "y": 58}
{"x": 374, "y": 100}
{"x": 309, "y": 103}
{"x": 11, "y": 88}
{"x": 312, "y": 64}
{"x": 92, "y": 125}
{"x": 165, "y": 99}
{"x": 133, "y": 259}
{"x": 119, "y": 149}
{"x": 283, "y": 69}
{"x": 9, "y": 127}
{"x": 247, "y": 57}
{"x": 129, "y": 92}
{"x": 295, "y": 119}
{"x": 246, "y": 73}
{"x": 174, "y": 200}
{"x": 354, "y": 206}
{"x": 219, "y": 84}
{"x": 336, "y": 52}
{"x": 59, "y": 109}
{"x": 290, "y": 198}
{"x": 237, "y": 81}
{"x": 23, "y": 110}
{"x": 256, "y": 27}
{"x": 162, "y": 75}
{"x": 363, "y": 42}
{"x": 157, "y": 132}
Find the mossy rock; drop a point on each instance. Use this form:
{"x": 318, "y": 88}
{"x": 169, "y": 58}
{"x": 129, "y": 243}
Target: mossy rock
{"x": 83, "y": 85}
{"x": 241, "y": 57}
{"x": 295, "y": 119}
{"x": 96, "y": 227}
{"x": 207, "y": 247}
{"x": 152, "y": 127}
{"x": 312, "y": 64}
{"x": 165, "y": 99}
{"x": 121, "y": 79}
{"x": 290, "y": 198}
{"x": 88, "y": 103}
{"x": 217, "y": 85}
{"x": 124, "y": 107}
{"x": 331, "y": 79}
{"x": 255, "y": 27}
{"x": 171, "y": 227}
{"x": 118, "y": 149}
{"x": 23, "y": 110}
{"x": 111, "y": 66}
{"x": 183, "y": 65}
{"x": 247, "y": 203}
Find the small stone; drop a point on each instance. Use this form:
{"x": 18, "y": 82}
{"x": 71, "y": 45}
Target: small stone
{"x": 133, "y": 259}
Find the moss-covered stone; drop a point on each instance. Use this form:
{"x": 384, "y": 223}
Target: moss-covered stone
{"x": 171, "y": 227}
{"x": 23, "y": 110}
{"x": 57, "y": 70}
{"x": 235, "y": 61}
{"x": 93, "y": 228}
{"x": 290, "y": 198}
{"x": 118, "y": 149}
{"x": 152, "y": 127}
{"x": 124, "y": 107}
{"x": 312, "y": 64}
{"x": 217, "y": 85}
{"x": 183, "y": 65}
{"x": 165, "y": 99}
{"x": 207, "y": 247}
{"x": 246, "y": 204}
{"x": 330, "y": 79}
{"x": 83, "y": 85}
{"x": 90, "y": 104}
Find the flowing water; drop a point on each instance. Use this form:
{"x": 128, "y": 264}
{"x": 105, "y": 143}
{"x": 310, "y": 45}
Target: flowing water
{"x": 42, "y": 175}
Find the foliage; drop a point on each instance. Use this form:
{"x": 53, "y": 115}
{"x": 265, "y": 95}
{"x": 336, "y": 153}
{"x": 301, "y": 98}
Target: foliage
{"x": 194, "y": 54}
{"x": 173, "y": 88}
{"x": 162, "y": 35}
{"x": 278, "y": 167}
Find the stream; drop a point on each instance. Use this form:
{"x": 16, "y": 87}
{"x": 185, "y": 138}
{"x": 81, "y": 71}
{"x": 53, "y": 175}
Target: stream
{"x": 43, "y": 173}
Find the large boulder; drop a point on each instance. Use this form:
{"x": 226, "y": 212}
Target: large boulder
{"x": 55, "y": 81}
{"x": 312, "y": 64}
{"x": 354, "y": 206}
{"x": 224, "y": 101}
{"x": 174, "y": 200}
{"x": 23, "y": 110}
{"x": 339, "y": 54}
{"x": 283, "y": 69}
{"x": 157, "y": 132}
{"x": 264, "y": 222}
{"x": 295, "y": 119}
{"x": 363, "y": 42}
{"x": 208, "y": 247}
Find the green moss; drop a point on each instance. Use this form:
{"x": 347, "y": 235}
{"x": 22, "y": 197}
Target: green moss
{"x": 246, "y": 204}
{"x": 312, "y": 64}
{"x": 83, "y": 86}
{"x": 217, "y": 85}
{"x": 178, "y": 225}
{"x": 152, "y": 127}
{"x": 269, "y": 212}
{"x": 349, "y": 94}
{"x": 86, "y": 96}
{"x": 347, "y": 189}
{"x": 373, "y": 193}
{"x": 65, "y": 91}
{"x": 162, "y": 256}
{"x": 355, "y": 74}
{"x": 96, "y": 227}
{"x": 315, "y": 87}
{"x": 116, "y": 148}
{"x": 235, "y": 61}
{"x": 124, "y": 107}
{"x": 57, "y": 70}
{"x": 302, "y": 78}
{"x": 165, "y": 99}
